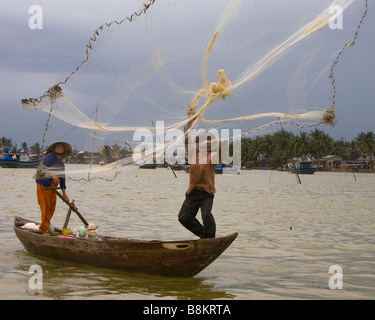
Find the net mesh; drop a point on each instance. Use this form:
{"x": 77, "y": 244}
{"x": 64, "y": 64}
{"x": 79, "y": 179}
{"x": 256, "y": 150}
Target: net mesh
{"x": 254, "y": 66}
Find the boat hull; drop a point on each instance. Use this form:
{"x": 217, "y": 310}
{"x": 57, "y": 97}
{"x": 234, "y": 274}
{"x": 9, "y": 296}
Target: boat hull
{"x": 167, "y": 258}
{"x": 303, "y": 171}
{"x": 18, "y": 164}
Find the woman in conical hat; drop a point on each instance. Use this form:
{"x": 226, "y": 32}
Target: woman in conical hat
{"x": 54, "y": 175}
{"x": 66, "y": 146}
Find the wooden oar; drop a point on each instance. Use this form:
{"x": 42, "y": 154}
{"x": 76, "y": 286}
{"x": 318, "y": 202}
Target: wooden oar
{"x": 68, "y": 216}
{"x": 70, "y": 204}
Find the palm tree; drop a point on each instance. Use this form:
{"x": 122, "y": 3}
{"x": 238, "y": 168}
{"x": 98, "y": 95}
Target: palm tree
{"x": 327, "y": 144}
{"x": 5, "y": 142}
{"x": 250, "y": 149}
{"x": 321, "y": 143}
{"x": 282, "y": 146}
{"x": 24, "y": 146}
{"x": 266, "y": 145}
{"x": 365, "y": 143}
{"x": 115, "y": 151}
{"x": 302, "y": 144}
{"x": 245, "y": 151}
{"x": 35, "y": 146}
{"x": 341, "y": 148}
{"x": 106, "y": 153}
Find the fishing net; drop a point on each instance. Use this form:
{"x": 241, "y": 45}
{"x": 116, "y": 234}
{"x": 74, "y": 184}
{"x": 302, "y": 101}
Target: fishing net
{"x": 248, "y": 67}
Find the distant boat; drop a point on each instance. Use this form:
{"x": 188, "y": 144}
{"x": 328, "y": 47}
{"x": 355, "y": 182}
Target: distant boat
{"x": 301, "y": 166}
{"x": 148, "y": 166}
{"x": 219, "y": 169}
{"x": 19, "y": 160}
{"x": 179, "y": 167}
{"x": 230, "y": 170}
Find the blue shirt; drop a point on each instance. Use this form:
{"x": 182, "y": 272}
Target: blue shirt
{"x": 52, "y": 163}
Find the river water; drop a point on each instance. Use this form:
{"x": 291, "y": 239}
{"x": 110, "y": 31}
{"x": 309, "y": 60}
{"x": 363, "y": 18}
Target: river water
{"x": 290, "y": 235}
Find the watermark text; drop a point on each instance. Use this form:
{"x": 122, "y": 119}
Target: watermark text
{"x": 36, "y": 278}
{"x": 174, "y": 146}
{"x": 36, "y": 20}
{"x": 336, "y": 21}
{"x": 336, "y": 280}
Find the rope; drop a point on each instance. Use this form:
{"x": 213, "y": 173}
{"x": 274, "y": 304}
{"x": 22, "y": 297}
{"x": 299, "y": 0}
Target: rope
{"x": 340, "y": 53}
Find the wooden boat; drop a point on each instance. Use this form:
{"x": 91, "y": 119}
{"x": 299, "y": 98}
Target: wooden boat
{"x": 19, "y": 160}
{"x": 221, "y": 169}
{"x": 180, "y": 167}
{"x": 167, "y": 258}
{"x": 301, "y": 166}
{"x": 148, "y": 166}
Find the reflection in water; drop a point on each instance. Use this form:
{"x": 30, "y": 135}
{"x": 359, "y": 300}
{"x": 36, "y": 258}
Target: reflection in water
{"x": 63, "y": 280}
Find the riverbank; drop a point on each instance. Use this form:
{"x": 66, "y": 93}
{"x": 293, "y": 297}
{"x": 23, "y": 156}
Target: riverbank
{"x": 344, "y": 170}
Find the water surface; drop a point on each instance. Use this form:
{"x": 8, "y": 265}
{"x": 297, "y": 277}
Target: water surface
{"x": 290, "y": 234}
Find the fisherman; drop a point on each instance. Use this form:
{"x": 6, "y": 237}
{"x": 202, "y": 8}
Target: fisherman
{"x": 200, "y": 193}
{"x": 52, "y": 174}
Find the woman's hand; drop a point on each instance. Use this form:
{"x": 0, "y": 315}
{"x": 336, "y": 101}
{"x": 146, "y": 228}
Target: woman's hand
{"x": 55, "y": 179}
{"x": 65, "y": 195}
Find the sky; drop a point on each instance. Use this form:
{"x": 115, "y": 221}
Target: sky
{"x": 32, "y": 60}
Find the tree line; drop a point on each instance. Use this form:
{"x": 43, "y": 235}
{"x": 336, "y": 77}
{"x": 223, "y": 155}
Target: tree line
{"x": 278, "y": 148}
{"x": 5, "y": 143}
{"x": 106, "y": 153}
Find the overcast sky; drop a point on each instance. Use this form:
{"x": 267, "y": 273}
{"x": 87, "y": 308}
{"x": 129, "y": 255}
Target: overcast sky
{"x": 31, "y": 62}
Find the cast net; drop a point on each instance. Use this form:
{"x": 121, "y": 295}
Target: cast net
{"x": 254, "y": 66}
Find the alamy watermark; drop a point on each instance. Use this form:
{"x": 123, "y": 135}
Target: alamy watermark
{"x": 36, "y": 20}
{"x": 36, "y": 277}
{"x": 171, "y": 146}
{"x": 336, "y": 282}
{"x": 336, "y": 21}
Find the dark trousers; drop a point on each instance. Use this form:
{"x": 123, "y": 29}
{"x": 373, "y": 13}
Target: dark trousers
{"x": 187, "y": 216}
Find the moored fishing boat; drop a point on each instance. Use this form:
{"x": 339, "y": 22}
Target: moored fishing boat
{"x": 19, "y": 160}
{"x": 168, "y": 258}
{"x": 301, "y": 166}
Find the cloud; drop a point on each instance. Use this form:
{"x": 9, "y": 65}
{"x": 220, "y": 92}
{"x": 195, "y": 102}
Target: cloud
{"x": 31, "y": 61}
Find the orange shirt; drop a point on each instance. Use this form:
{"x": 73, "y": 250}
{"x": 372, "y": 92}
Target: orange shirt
{"x": 202, "y": 175}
